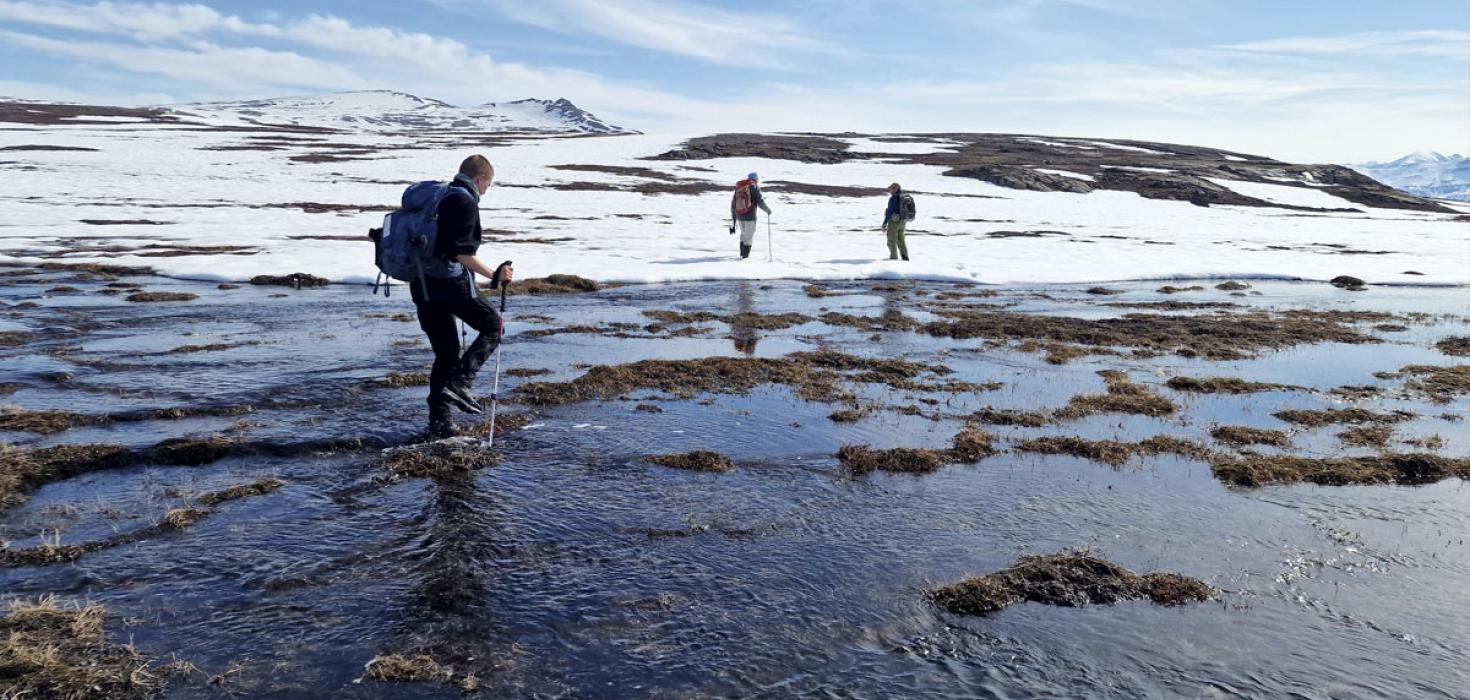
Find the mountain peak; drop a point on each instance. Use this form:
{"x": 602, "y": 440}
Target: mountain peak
{"x": 390, "y": 110}
{"x": 1425, "y": 173}
{"x": 1423, "y": 157}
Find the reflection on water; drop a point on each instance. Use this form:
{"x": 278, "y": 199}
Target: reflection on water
{"x": 744, "y": 336}
{"x": 576, "y": 569}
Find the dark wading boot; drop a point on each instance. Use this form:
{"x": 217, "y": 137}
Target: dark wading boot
{"x": 744, "y": 250}
{"x": 440, "y": 426}
{"x": 460, "y": 397}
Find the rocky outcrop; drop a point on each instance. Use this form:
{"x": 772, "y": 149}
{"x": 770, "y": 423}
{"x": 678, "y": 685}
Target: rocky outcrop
{"x": 1020, "y": 178}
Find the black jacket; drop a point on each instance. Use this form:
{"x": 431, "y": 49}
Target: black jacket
{"x": 459, "y": 234}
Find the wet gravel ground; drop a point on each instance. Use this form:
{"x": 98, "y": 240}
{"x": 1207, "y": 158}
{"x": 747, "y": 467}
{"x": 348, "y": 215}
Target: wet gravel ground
{"x": 577, "y": 568}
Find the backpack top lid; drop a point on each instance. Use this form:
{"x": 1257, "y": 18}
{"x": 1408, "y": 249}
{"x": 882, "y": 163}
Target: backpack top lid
{"x": 745, "y": 183}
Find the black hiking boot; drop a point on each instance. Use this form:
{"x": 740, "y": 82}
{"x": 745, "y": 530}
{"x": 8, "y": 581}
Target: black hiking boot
{"x": 744, "y": 251}
{"x": 460, "y": 397}
{"x": 442, "y": 429}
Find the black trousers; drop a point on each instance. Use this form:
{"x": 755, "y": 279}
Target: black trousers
{"x": 436, "y": 317}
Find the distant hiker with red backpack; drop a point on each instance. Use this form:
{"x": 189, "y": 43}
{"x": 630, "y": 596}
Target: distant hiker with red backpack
{"x": 433, "y": 243}
{"x": 746, "y": 200}
{"x": 901, "y": 210}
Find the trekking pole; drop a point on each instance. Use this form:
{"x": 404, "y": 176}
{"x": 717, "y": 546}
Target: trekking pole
{"x": 770, "y": 256}
{"x": 495, "y": 390}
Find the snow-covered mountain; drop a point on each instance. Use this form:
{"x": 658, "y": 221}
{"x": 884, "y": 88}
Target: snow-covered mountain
{"x": 386, "y": 111}
{"x": 1425, "y": 173}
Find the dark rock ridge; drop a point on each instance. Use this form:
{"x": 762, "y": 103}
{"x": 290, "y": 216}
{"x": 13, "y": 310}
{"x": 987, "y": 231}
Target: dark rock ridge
{"x": 1153, "y": 170}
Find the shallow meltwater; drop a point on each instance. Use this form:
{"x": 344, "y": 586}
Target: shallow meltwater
{"x": 563, "y": 562}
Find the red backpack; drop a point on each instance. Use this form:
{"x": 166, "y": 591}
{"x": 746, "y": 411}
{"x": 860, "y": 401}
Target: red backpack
{"x": 744, "y": 203}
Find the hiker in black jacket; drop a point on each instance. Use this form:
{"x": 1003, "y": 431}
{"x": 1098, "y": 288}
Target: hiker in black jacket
{"x": 440, "y": 301}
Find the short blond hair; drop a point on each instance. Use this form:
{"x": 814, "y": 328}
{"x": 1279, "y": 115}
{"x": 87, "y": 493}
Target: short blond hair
{"x": 477, "y": 166}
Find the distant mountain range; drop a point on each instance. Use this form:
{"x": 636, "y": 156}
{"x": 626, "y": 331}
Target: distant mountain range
{"x": 1426, "y": 173}
{"x": 382, "y": 110}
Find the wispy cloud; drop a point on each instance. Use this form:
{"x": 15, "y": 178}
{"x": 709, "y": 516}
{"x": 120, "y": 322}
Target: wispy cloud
{"x": 721, "y": 36}
{"x": 217, "y": 54}
{"x": 1435, "y": 43}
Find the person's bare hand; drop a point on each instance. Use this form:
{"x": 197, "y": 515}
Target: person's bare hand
{"x": 507, "y": 274}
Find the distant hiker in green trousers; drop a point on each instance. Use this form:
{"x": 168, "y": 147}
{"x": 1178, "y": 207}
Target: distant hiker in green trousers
{"x": 895, "y": 220}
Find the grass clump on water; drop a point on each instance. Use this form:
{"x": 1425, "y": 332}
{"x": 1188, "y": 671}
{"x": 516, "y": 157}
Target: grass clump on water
{"x": 160, "y": 296}
{"x": 1221, "y": 385}
{"x": 436, "y": 460}
{"x": 698, "y": 460}
{"x": 48, "y": 650}
{"x": 14, "y": 418}
{"x": 1241, "y": 436}
{"x": 1440, "y": 384}
{"x": 1366, "y": 436}
{"x": 1123, "y": 396}
{"x": 971, "y": 444}
{"x": 1217, "y": 336}
{"x": 1338, "y": 416}
{"x": 254, "y": 488}
{"x": 812, "y": 375}
{"x": 1404, "y": 469}
{"x": 396, "y": 668}
{"x": 1114, "y": 453}
{"x": 1024, "y": 419}
{"x": 1457, "y": 345}
{"x": 1069, "y": 579}
{"x": 399, "y": 380}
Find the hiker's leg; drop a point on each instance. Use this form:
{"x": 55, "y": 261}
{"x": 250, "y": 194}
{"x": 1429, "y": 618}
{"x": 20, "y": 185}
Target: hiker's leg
{"x": 478, "y": 313}
{"x": 437, "y": 320}
{"x": 903, "y": 246}
{"x": 892, "y": 241}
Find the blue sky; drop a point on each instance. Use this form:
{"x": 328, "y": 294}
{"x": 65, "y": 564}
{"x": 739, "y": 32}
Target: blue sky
{"x": 1300, "y": 80}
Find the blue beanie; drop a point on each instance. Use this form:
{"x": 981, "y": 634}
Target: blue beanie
{"x": 753, "y": 176}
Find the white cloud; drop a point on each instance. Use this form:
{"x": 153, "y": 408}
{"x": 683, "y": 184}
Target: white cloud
{"x": 718, "y": 36}
{"x": 202, "y": 62}
{"x": 1435, "y": 43}
{"x": 143, "y": 21}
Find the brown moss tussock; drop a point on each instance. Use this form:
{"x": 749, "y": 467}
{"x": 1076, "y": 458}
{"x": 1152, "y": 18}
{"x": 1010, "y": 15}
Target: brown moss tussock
{"x": 1338, "y": 416}
{"x": 1221, "y": 385}
{"x": 396, "y": 668}
{"x": 1406, "y": 469}
{"x": 1440, "y": 384}
{"x": 1069, "y": 579}
{"x": 145, "y": 297}
{"x": 1025, "y": 419}
{"x": 295, "y": 280}
{"x": 1123, "y": 396}
{"x": 1366, "y": 436}
{"x": 1240, "y": 436}
{"x": 553, "y": 284}
{"x": 1114, "y": 452}
{"x": 812, "y": 375}
{"x": 1219, "y": 336}
{"x": 1457, "y": 345}
{"x": 17, "y": 419}
{"x": 698, "y": 460}
{"x": 48, "y": 650}
{"x": 10, "y": 339}
{"x": 399, "y": 380}
{"x": 910, "y": 460}
{"x": 24, "y": 469}
{"x": 254, "y": 488}
{"x": 437, "y": 460}
{"x": 971, "y": 444}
